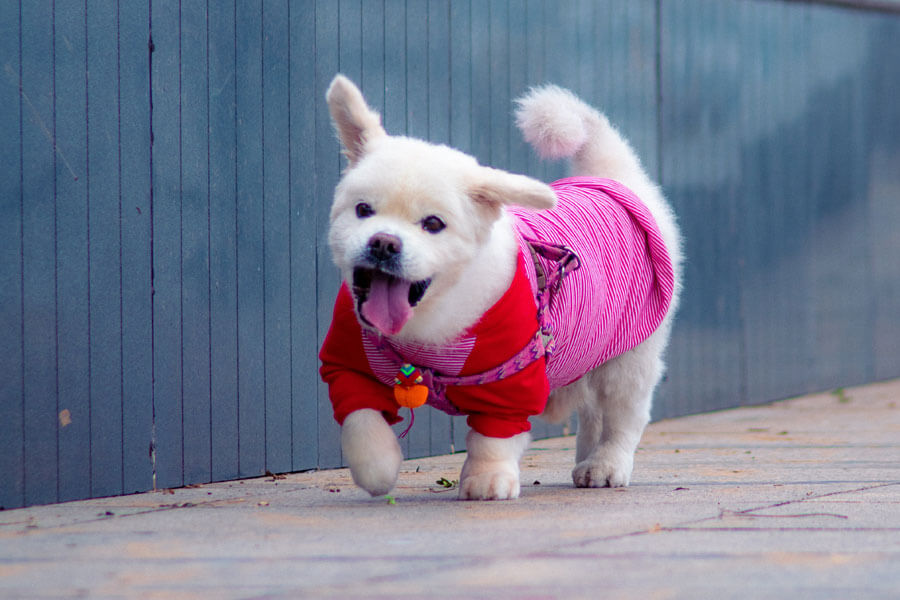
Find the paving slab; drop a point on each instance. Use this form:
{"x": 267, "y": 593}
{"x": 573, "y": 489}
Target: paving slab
{"x": 799, "y": 499}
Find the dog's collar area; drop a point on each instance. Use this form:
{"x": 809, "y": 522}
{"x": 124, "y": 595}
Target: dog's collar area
{"x": 540, "y": 345}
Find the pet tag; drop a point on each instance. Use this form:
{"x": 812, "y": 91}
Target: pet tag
{"x": 408, "y": 389}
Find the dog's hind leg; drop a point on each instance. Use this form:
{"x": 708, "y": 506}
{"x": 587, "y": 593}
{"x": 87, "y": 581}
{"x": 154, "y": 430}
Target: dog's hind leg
{"x": 610, "y": 427}
{"x": 566, "y": 400}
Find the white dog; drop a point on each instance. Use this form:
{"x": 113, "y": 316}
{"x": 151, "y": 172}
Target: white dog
{"x": 484, "y": 292}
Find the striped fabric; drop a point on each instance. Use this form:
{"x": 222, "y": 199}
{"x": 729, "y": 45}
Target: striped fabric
{"x": 448, "y": 359}
{"x": 621, "y": 292}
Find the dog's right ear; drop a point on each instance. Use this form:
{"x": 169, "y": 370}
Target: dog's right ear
{"x": 356, "y": 123}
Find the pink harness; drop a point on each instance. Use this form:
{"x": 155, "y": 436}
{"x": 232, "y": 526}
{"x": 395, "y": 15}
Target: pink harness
{"x": 541, "y": 345}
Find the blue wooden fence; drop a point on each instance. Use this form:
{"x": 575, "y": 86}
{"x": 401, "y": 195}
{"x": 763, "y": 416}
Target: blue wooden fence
{"x": 167, "y": 169}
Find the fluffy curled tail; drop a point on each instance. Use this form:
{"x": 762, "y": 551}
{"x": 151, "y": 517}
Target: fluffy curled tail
{"x": 553, "y": 120}
{"x": 558, "y": 125}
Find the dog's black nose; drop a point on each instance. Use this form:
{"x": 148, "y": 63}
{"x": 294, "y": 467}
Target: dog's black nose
{"x": 384, "y": 246}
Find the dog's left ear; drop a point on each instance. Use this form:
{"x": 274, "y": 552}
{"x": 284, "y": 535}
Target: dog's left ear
{"x": 356, "y": 123}
{"x": 496, "y": 188}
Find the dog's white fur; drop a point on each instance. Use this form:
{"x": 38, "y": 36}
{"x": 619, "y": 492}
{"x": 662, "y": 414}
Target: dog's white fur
{"x": 405, "y": 180}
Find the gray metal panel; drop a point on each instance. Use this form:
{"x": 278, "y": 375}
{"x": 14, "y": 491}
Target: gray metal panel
{"x": 799, "y": 238}
{"x": 223, "y": 248}
{"x": 136, "y": 295}
{"x": 223, "y": 346}
{"x": 883, "y": 133}
{"x": 250, "y": 236}
{"x": 12, "y": 397}
{"x": 73, "y": 316}
{"x": 38, "y": 260}
{"x": 102, "y": 179}
{"x": 277, "y": 225}
{"x": 304, "y": 94}
{"x": 700, "y": 167}
{"x": 166, "y": 244}
{"x": 779, "y": 345}
{"x": 836, "y": 183}
{"x": 195, "y": 243}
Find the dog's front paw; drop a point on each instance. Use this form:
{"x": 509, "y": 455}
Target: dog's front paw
{"x": 491, "y": 471}
{"x": 491, "y": 485}
{"x": 604, "y": 468}
{"x": 371, "y": 450}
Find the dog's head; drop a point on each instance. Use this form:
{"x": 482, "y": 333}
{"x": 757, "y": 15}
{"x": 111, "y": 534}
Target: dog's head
{"x": 409, "y": 216}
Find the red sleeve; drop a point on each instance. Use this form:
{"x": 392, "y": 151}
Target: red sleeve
{"x": 345, "y": 368}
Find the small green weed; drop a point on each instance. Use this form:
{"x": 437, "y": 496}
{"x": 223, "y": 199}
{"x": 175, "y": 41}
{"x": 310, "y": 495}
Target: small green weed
{"x": 841, "y": 395}
{"x": 446, "y": 483}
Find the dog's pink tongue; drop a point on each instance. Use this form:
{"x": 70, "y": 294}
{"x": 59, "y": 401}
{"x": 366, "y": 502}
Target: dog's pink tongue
{"x": 387, "y": 304}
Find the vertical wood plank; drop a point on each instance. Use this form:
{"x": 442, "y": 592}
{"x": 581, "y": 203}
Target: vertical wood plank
{"x": 167, "y": 249}
{"x": 534, "y": 58}
{"x": 70, "y": 84}
{"x": 135, "y": 184}
{"x": 481, "y": 81}
{"x": 395, "y": 57}
{"x": 328, "y": 165}
{"x": 276, "y": 197}
{"x": 518, "y": 82}
{"x": 774, "y": 207}
{"x": 250, "y": 234}
{"x": 697, "y": 143}
{"x": 836, "y": 183}
{"x": 104, "y": 268}
{"x": 222, "y": 89}
{"x": 499, "y": 92}
{"x": 372, "y": 48}
{"x": 12, "y": 393}
{"x": 884, "y": 128}
{"x": 38, "y": 255}
{"x": 195, "y": 242}
{"x": 304, "y": 96}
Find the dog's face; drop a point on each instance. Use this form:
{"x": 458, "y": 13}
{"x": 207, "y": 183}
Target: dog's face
{"x": 409, "y": 216}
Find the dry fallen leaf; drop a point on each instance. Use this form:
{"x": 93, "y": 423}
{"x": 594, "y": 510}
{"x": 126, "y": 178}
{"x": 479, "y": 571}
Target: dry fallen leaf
{"x": 65, "y": 417}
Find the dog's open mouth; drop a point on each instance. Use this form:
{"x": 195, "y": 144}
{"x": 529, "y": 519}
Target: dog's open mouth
{"x": 386, "y": 301}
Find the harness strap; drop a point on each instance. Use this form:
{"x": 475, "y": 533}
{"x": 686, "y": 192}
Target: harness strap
{"x": 542, "y": 343}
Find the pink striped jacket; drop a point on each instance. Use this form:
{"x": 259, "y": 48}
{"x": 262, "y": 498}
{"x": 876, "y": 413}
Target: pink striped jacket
{"x": 622, "y": 291}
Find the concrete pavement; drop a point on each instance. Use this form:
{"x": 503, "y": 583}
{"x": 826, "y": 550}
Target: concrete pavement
{"x": 794, "y": 499}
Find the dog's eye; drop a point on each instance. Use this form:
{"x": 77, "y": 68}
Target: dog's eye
{"x": 432, "y": 224}
{"x": 364, "y": 210}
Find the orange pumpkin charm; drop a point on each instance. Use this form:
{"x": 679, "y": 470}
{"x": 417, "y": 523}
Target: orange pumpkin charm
{"x": 408, "y": 389}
